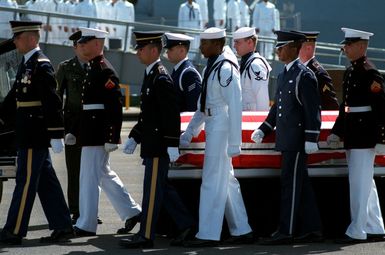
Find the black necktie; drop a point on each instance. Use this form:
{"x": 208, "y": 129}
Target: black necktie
{"x": 85, "y": 67}
{"x": 285, "y": 71}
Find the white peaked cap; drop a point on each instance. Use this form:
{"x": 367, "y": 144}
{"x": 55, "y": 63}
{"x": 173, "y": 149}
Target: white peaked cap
{"x": 352, "y": 35}
{"x": 178, "y": 37}
{"x": 213, "y": 33}
{"x": 97, "y": 33}
{"x": 244, "y": 32}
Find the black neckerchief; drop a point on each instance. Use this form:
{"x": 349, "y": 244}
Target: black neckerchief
{"x": 244, "y": 61}
{"x": 210, "y": 63}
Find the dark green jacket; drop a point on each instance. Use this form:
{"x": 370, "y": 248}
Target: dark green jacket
{"x": 70, "y": 76}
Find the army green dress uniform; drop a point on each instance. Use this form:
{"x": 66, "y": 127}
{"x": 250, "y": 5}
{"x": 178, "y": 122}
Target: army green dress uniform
{"x": 70, "y": 75}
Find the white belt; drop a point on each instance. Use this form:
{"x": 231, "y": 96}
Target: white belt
{"x": 93, "y": 106}
{"x": 215, "y": 110}
{"x": 367, "y": 108}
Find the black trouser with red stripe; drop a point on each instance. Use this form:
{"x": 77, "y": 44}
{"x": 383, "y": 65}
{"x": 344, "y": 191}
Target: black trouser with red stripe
{"x": 299, "y": 211}
{"x": 157, "y": 191}
{"x": 35, "y": 174}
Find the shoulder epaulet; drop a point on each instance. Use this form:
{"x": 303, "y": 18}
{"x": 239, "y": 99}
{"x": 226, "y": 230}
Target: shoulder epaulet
{"x": 316, "y": 65}
{"x": 43, "y": 59}
{"x": 162, "y": 69}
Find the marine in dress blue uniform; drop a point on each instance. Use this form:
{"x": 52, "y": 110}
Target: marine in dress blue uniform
{"x": 187, "y": 80}
{"x": 295, "y": 115}
{"x": 326, "y": 89}
{"x": 39, "y": 123}
{"x": 361, "y": 125}
{"x": 100, "y": 126}
{"x": 157, "y": 130}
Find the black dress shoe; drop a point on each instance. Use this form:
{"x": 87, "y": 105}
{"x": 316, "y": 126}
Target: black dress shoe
{"x": 349, "y": 240}
{"x": 242, "y": 239}
{"x": 100, "y": 221}
{"x": 129, "y": 224}
{"x": 74, "y": 218}
{"x": 196, "y": 242}
{"x": 59, "y": 235}
{"x": 183, "y": 236}
{"x": 277, "y": 238}
{"x": 80, "y": 232}
{"x": 7, "y": 238}
{"x": 312, "y": 237}
{"x": 136, "y": 241}
{"x": 375, "y": 237}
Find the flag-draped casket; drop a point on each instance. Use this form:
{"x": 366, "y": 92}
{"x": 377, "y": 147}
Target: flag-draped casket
{"x": 263, "y": 155}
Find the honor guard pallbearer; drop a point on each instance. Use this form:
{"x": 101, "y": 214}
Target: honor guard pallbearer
{"x": 254, "y": 71}
{"x": 100, "y": 125}
{"x": 326, "y": 89}
{"x": 361, "y": 125}
{"x": 33, "y": 103}
{"x": 157, "y": 131}
{"x": 187, "y": 80}
{"x": 220, "y": 109}
{"x": 296, "y": 118}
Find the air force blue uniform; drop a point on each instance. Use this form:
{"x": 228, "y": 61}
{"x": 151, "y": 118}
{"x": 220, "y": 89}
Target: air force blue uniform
{"x": 296, "y": 117}
{"x": 188, "y": 84}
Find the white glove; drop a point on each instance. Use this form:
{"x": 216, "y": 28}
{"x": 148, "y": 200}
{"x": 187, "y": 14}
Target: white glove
{"x": 333, "y": 141}
{"x": 173, "y": 153}
{"x": 57, "y": 145}
{"x": 380, "y": 149}
{"x": 110, "y": 147}
{"x": 311, "y": 147}
{"x": 257, "y": 136}
{"x": 185, "y": 139}
{"x": 70, "y": 139}
{"x": 233, "y": 151}
{"x": 129, "y": 146}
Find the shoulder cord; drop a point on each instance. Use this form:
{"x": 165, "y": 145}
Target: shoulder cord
{"x": 297, "y": 79}
{"x": 181, "y": 76}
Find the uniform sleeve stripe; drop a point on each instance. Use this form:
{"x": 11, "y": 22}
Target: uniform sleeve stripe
{"x": 312, "y": 131}
{"x": 55, "y": 129}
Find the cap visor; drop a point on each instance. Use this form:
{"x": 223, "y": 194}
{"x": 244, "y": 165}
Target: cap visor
{"x": 86, "y": 39}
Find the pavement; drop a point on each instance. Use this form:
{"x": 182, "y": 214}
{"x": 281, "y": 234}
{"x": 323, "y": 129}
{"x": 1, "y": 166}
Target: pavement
{"x": 131, "y": 113}
{"x": 130, "y": 170}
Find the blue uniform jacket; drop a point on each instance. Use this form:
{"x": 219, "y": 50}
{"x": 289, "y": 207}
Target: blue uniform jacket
{"x": 101, "y": 86}
{"x": 296, "y": 113}
{"x": 34, "y": 102}
{"x": 158, "y": 125}
{"x": 362, "y": 86}
{"x": 188, "y": 84}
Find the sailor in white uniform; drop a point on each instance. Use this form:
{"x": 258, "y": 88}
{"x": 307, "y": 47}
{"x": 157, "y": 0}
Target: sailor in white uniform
{"x": 254, "y": 71}
{"x": 220, "y": 109}
{"x": 219, "y": 15}
{"x": 266, "y": 21}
